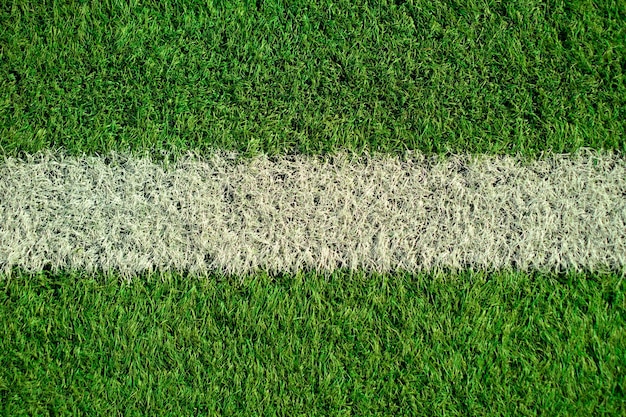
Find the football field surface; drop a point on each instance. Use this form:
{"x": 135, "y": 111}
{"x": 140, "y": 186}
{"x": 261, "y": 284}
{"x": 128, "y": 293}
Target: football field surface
{"x": 312, "y": 208}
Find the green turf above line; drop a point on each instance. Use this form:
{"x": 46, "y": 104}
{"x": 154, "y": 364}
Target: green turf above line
{"x": 312, "y": 77}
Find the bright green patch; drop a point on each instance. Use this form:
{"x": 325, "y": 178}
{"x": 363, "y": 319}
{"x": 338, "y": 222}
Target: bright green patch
{"x": 312, "y": 76}
{"x": 348, "y": 344}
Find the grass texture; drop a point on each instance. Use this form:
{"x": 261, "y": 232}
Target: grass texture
{"x": 519, "y": 78}
{"x": 309, "y": 345}
{"x": 277, "y": 77}
{"x": 289, "y": 214}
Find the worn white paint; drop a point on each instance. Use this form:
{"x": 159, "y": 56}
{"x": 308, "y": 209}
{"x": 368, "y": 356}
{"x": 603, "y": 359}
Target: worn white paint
{"x": 235, "y": 215}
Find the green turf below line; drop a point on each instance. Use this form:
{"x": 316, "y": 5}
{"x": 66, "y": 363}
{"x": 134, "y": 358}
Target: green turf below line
{"x": 305, "y": 344}
{"x": 312, "y": 76}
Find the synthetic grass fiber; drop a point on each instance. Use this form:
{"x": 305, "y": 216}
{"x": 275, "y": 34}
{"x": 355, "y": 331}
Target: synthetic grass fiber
{"x": 378, "y": 214}
{"x": 514, "y": 116}
{"x": 312, "y": 76}
{"x": 500, "y": 344}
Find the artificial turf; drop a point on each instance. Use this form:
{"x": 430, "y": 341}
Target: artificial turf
{"x": 312, "y": 76}
{"x": 344, "y": 344}
{"x": 519, "y": 77}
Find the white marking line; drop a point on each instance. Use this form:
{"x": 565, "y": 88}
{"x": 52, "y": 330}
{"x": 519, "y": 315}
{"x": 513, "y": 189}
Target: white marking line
{"x": 301, "y": 213}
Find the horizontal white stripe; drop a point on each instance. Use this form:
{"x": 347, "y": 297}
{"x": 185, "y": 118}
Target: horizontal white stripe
{"x": 303, "y": 213}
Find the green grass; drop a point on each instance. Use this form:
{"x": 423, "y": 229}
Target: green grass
{"x": 520, "y": 77}
{"x": 346, "y": 344}
{"x": 312, "y": 76}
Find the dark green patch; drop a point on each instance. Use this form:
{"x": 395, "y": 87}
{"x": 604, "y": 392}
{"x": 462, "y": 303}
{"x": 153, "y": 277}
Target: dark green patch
{"x": 313, "y": 76}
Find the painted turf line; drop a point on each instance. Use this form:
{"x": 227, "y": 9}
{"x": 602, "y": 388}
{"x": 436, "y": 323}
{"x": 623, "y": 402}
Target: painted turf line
{"x": 230, "y": 215}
